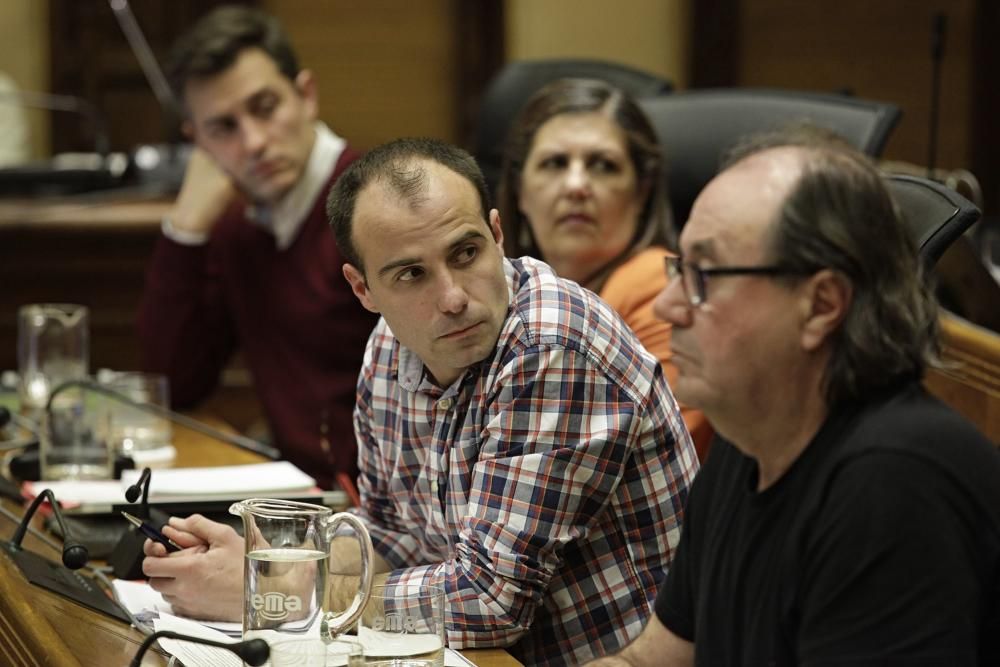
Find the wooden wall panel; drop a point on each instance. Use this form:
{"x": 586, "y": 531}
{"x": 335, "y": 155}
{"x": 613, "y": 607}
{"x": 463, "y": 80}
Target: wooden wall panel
{"x": 385, "y": 68}
{"x": 879, "y": 50}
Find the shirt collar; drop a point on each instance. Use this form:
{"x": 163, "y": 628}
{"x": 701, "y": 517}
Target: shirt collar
{"x": 285, "y": 219}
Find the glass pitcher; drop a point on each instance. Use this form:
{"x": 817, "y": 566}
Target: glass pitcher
{"x": 286, "y": 569}
{"x": 53, "y": 346}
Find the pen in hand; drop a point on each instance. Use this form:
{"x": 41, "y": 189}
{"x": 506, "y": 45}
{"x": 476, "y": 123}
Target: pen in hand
{"x": 152, "y": 533}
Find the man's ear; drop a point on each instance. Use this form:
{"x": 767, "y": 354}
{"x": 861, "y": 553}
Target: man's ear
{"x": 496, "y": 228}
{"x": 187, "y": 129}
{"x": 305, "y": 83}
{"x": 825, "y": 302}
{"x": 359, "y": 286}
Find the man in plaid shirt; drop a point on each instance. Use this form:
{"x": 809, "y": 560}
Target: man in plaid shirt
{"x": 518, "y": 447}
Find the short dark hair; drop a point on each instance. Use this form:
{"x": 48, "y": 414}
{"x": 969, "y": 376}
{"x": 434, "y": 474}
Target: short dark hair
{"x": 574, "y": 96}
{"x": 218, "y": 38}
{"x": 840, "y": 215}
{"x": 396, "y": 164}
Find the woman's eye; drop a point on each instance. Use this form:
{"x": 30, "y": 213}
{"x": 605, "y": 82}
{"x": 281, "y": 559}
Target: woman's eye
{"x": 604, "y": 166}
{"x": 553, "y": 162}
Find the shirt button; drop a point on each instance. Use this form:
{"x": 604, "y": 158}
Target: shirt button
{"x": 434, "y": 486}
{"x": 445, "y": 403}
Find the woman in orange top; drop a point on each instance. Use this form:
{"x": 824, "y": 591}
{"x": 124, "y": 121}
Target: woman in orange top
{"x": 582, "y": 188}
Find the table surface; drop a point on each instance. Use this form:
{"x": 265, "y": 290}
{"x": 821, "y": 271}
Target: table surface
{"x": 40, "y": 628}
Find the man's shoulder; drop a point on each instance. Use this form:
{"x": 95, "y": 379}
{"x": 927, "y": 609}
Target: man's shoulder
{"x": 914, "y": 431}
{"x": 551, "y": 312}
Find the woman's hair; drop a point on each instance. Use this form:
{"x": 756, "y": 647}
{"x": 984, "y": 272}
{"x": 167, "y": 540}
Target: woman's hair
{"x": 568, "y": 96}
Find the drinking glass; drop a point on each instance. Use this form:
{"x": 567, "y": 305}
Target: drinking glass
{"x": 403, "y": 626}
{"x": 136, "y": 432}
{"x": 53, "y": 346}
{"x": 314, "y": 652}
{"x": 73, "y": 439}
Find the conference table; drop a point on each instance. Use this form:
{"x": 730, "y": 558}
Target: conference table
{"x": 41, "y": 629}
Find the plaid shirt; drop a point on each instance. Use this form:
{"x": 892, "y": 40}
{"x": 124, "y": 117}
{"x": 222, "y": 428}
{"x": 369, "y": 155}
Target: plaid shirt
{"x": 543, "y": 489}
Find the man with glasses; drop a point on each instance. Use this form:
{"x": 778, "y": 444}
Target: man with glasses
{"x": 844, "y": 516}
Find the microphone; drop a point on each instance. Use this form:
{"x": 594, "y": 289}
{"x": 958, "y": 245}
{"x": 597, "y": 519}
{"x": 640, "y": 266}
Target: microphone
{"x": 132, "y": 492}
{"x": 68, "y": 103}
{"x": 252, "y": 652}
{"x": 127, "y": 556}
{"x": 74, "y": 554}
{"x": 61, "y": 580}
{"x": 234, "y": 439}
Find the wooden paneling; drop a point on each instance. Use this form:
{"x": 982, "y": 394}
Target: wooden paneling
{"x": 879, "y": 50}
{"x": 969, "y": 380}
{"x": 385, "y": 68}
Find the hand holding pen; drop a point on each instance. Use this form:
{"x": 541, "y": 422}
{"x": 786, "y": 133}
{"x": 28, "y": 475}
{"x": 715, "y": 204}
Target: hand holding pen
{"x": 152, "y": 532}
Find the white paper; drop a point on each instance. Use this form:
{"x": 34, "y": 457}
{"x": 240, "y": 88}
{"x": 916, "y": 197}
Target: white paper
{"x": 191, "y": 654}
{"x": 259, "y": 478}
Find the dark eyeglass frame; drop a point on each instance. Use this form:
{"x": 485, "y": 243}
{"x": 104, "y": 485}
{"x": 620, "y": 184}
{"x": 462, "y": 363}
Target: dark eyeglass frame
{"x": 677, "y": 267}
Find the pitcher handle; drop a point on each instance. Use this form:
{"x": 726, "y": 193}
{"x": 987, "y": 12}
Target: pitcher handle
{"x": 333, "y": 624}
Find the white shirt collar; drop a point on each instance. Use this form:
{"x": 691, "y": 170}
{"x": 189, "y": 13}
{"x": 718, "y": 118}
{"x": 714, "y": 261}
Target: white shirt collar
{"x": 286, "y": 217}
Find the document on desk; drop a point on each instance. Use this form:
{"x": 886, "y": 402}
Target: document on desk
{"x": 138, "y": 596}
{"x": 273, "y": 479}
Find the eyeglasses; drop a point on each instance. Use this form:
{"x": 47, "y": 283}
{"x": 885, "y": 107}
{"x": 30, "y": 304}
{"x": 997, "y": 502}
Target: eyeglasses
{"x": 694, "y": 279}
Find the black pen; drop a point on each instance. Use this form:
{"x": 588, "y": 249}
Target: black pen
{"x": 152, "y": 533}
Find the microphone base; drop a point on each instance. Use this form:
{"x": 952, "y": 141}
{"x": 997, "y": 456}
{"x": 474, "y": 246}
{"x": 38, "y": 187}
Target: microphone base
{"x": 62, "y": 581}
{"x": 126, "y": 559}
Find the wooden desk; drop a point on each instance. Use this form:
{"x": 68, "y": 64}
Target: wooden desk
{"x": 41, "y": 629}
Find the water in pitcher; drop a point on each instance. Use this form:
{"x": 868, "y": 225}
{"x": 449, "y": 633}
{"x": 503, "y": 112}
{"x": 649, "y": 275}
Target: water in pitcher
{"x": 286, "y": 586}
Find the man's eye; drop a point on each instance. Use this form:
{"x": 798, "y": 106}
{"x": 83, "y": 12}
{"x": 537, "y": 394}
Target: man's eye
{"x": 467, "y": 254}
{"x": 264, "y": 106}
{"x": 221, "y": 129}
{"x": 409, "y": 275}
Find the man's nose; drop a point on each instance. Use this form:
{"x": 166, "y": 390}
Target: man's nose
{"x": 453, "y": 298}
{"x": 672, "y": 305}
{"x": 254, "y": 135}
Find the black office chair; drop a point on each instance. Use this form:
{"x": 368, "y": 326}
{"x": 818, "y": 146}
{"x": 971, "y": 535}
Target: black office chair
{"x": 517, "y": 81}
{"x": 935, "y": 215}
{"x": 697, "y": 127}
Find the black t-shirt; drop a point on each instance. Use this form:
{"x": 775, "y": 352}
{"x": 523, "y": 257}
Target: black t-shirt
{"x": 879, "y": 546}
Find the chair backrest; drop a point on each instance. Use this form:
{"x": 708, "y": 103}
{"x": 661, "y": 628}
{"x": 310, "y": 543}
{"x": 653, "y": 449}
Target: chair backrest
{"x": 697, "y": 127}
{"x": 517, "y": 81}
{"x": 935, "y": 215}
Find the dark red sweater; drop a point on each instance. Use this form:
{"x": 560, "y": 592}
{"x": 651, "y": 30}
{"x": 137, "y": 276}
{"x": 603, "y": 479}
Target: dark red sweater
{"x": 301, "y": 330}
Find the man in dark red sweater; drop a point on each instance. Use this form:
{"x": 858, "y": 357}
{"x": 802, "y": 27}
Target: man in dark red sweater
{"x": 246, "y": 259}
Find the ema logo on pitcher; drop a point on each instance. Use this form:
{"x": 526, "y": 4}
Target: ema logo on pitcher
{"x": 275, "y": 606}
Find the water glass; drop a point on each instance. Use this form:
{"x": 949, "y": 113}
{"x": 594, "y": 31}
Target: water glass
{"x": 135, "y": 431}
{"x": 53, "y": 346}
{"x": 314, "y": 652}
{"x": 403, "y": 626}
{"x": 73, "y": 439}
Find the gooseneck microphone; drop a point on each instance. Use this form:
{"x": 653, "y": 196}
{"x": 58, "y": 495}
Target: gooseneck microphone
{"x": 132, "y": 492}
{"x": 237, "y": 440}
{"x": 127, "y": 556}
{"x": 74, "y": 554}
{"x": 252, "y": 652}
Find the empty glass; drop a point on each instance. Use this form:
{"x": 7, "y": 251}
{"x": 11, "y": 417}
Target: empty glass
{"x": 403, "y": 626}
{"x": 73, "y": 438}
{"x": 135, "y": 431}
{"x": 53, "y": 346}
